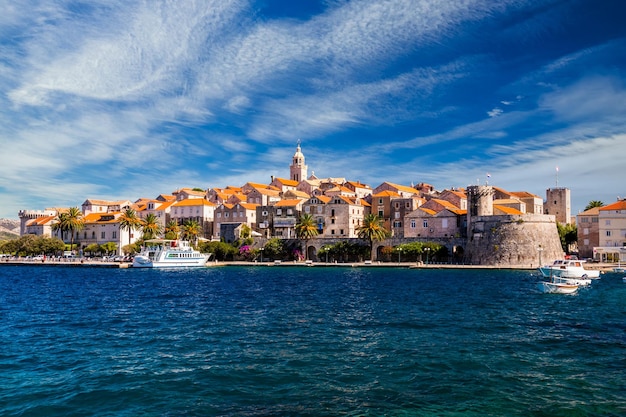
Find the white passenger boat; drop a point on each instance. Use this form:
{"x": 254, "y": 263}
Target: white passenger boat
{"x": 167, "y": 253}
{"x": 568, "y": 268}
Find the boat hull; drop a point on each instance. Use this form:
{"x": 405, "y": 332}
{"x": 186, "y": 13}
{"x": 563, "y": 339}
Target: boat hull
{"x": 191, "y": 263}
{"x": 557, "y": 288}
{"x": 568, "y": 269}
{"x": 164, "y": 253}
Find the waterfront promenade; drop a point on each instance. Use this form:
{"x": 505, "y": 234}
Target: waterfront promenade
{"x": 603, "y": 267}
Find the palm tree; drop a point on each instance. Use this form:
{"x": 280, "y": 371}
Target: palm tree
{"x": 60, "y": 224}
{"x": 372, "y": 229}
{"x": 172, "y": 229}
{"x": 191, "y": 230}
{"x": 70, "y": 221}
{"x": 129, "y": 221}
{"x": 305, "y": 230}
{"x": 151, "y": 227}
{"x": 593, "y": 204}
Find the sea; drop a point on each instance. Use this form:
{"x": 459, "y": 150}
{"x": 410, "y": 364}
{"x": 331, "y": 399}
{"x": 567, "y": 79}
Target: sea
{"x": 307, "y": 341}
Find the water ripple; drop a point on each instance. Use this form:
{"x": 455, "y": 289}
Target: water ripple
{"x": 307, "y": 341}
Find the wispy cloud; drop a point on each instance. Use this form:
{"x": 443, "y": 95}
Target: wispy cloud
{"x": 118, "y": 98}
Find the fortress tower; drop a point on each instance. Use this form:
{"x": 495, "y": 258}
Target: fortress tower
{"x": 558, "y": 204}
{"x": 479, "y": 203}
{"x": 298, "y": 169}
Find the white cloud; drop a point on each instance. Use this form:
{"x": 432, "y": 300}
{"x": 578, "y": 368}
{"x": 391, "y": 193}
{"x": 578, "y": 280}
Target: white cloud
{"x": 495, "y": 112}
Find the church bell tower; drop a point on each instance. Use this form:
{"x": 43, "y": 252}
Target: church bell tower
{"x": 298, "y": 169}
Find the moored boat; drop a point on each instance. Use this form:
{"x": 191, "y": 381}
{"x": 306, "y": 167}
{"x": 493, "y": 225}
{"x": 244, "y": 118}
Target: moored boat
{"x": 568, "y": 268}
{"x": 555, "y": 287}
{"x": 168, "y": 253}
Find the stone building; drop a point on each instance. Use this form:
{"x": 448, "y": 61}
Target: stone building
{"x": 588, "y": 227}
{"x": 558, "y": 203}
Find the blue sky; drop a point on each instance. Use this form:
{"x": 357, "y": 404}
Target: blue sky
{"x": 127, "y": 99}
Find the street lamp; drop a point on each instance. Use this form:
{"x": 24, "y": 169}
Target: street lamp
{"x": 540, "y": 249}
{"x": 399, "y": 252}
{"x": 427, "y": 250}
{"x": 261, "y": 254}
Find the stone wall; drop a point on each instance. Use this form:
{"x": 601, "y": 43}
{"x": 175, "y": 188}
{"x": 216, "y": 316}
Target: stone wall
{"x": 521, "y": 240}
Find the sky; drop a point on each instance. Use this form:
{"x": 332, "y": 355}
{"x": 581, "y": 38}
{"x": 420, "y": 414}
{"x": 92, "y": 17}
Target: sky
{"x": 131, "y": 99}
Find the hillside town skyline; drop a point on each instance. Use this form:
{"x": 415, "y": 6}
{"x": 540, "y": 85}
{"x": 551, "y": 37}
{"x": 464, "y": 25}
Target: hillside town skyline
{"x": 338, "y": 207}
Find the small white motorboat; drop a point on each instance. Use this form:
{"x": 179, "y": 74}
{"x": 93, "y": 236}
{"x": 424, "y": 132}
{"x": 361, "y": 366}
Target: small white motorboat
{"x": 558, "y": 286}
{"x": 568, "y": 268}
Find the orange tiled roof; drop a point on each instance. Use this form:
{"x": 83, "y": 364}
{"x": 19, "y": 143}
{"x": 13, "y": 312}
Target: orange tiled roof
{"x": 618, "y": 205}
{"x": 288, "y": 203}
{"x": 387, "y": 193}
{"x": 249, "y": 206}
{"x": 507, "y": 210}
{"x": 193, "y": 202}
{"x": 285, "y": 181}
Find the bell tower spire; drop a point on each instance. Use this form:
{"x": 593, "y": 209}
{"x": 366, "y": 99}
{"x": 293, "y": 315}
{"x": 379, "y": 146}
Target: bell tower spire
{"x": 298, "y": 169}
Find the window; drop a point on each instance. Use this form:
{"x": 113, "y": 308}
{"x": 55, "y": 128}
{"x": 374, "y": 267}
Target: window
{"x": 594, "y": 220}
{"x": 332, "y": 221}
{"x": 114, "y": 235}
{"x": 584, "y": 219}
{"x": 332, "y": 232}
{"x": 332, "y": 212}
{"x": 607, "y": 222}
{"x": 396, "y": 215}
{"x": 279, "y": 211}
{"x": 341, "y": 231}
{"x": 444, "y": 223}
{"x": 307, "y": 209}
{"x": 102, "y": 235}
{"x": 407, "y": 205}
{"x": 289, "y": 212}
{"x": 608, "y": 233}
{"x": 380, "y": 201}
{"x": 380, "y": 213}
{"x": 413, "y": 224}
{"x": 397, "y": 205}
{"x": 425, "y": 223}
{"x": 586, "y": 242}
{"x": 585, "y": 231}
{"x": 397, "y": 224}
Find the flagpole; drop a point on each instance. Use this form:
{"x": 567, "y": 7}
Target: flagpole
{"x": 557, "y": 177}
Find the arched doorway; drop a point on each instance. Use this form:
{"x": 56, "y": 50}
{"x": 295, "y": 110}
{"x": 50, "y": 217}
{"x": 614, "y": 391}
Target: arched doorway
{"x": 311, "y": 253}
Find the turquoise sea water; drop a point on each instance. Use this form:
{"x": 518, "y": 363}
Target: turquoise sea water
{"x": 289, "y": 341}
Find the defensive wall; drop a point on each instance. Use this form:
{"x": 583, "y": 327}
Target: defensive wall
{"x": 514, "y": 240}
{"x": 523, "y": 241}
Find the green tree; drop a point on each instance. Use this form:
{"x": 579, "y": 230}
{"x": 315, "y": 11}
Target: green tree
{"x": 372, "y": 229}
{"x": 191, "y": 231}
{"x": 274, "y": 249}
{"x": 222, "y": 251}
{"x": 93, "y": 248}
{"x": 172, "y": 230}
{"x": 109, "y": 247}
{"x": 305, "y": 230}
{"x": 568, "y": 233}
{"x": 130, "y": 221}
{"x": 70, "y": 221}
{"x": 151, "y": 227}
{"x": 593, "y": 204}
